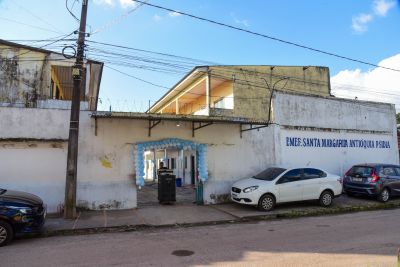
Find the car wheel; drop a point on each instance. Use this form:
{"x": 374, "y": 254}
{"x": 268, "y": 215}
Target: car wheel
{"x": 266, "y": 202}
{"x": 326, "y": 199}
{"x": 384, "y": 195}
{"x": 6, "y": 233}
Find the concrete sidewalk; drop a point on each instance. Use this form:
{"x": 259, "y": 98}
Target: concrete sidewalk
{"x": 191, "y": 215}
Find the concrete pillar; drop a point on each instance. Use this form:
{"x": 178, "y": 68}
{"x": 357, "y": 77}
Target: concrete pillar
{"x": 165, "y": 158}
{"x": 208, "y": 89}
{"x": 154, "y": 165}
{"x": 181, "y": 166}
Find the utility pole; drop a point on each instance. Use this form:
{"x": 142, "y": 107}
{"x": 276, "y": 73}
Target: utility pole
{"x": 72, "y": 159}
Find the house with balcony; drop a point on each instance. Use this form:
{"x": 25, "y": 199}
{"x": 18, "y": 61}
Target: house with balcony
{"x": 239, "y": 91}
{"x": 34, "y": 77}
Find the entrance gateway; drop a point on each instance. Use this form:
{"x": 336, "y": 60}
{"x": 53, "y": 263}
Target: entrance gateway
{"x": 198, "y": 162}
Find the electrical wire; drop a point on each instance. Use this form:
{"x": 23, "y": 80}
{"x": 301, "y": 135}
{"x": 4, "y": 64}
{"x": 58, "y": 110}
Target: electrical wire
{"x": 153, "y": 52}
{"x": 267, "y": 36}
{"x": 117, "y": 20}
{"x": 136, "y": 78}
{"x": 43, "y": 46}
{"x": 37, "y": 17}
{"x": 28, "y": 25}
{"x": 70, "y": 12}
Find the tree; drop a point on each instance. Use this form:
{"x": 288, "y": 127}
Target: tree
{"x": 398, "y": 118}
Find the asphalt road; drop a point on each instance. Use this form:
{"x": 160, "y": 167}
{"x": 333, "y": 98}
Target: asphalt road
{"x": 358, "y": 239}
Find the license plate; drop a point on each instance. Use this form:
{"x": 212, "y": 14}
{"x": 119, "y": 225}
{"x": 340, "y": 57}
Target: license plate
{"x": 357, "y": 179}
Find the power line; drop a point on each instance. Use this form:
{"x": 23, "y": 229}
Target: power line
{"x": 70, "y": 12}
{"x": 117, "y": 20}
{"x": 39, "y": 40}
{"x": 53, "y": 42}
{"x": 35, "y": 16}
{"x": 149, "y": 51}
{"x": 28, "y": 25}
{"x": 144, "y": 58}
{"x": 267, "y": 36}
{"x": 139, "y": 79}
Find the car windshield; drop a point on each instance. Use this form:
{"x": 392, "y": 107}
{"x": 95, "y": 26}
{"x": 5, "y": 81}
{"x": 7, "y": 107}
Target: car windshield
{"x": 269, "y": 174}
{"x": 2, "y": 191}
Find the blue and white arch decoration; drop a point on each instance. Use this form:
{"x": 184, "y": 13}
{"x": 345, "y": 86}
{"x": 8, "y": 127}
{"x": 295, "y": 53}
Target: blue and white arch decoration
{"x": 170, "y": 143}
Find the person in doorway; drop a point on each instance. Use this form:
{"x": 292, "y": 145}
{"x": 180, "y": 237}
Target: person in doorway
{"x": 162, "y": 166}
{"x": 161, "y": 169}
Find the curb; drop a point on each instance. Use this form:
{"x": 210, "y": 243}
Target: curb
{"x": 266, "y": 217}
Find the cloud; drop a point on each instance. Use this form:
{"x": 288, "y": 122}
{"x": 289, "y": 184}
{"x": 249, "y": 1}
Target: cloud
{"x": 377, "y": 84}
{"x": 243, "y": 22}
{"x": 360, "y": 22}
{"x": 111, "y": 3}
{"x": 381, "y": 7}
{"x": 174, "y": 14}
{"x": 104, "y": 2}
{"x": 157, "y": 18}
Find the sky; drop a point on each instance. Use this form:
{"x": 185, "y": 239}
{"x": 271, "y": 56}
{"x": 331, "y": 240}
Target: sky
{"x": 365, "y": 30}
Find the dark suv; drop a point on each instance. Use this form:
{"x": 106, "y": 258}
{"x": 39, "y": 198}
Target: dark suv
{"x": 20, "y": 213}
{"x": 378, "y": 180}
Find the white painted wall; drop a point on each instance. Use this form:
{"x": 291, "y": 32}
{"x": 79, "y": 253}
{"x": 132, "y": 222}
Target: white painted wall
{"x": 106, "y": 161}
{"x": 106, "y": 168}
{"x": 330, "y": 112}
{"x": 38, "y": 168}
{"x": 60, "y": 104}
{"x": 331, "y": 118}
{"x": 229, "y": 157}
{"x": 336, "y": 160}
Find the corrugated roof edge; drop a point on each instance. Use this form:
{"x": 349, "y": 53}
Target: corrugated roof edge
{"x": 284, "y": 66}
{"x": 173, "y": 117}
{"x": 41, "y": 50}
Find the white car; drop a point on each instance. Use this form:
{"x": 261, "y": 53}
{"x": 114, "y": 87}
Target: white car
{"x": 278, "y": 185}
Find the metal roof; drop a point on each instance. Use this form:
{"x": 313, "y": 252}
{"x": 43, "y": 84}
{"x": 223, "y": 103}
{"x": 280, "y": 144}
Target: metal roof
{"x": 38, "y": 49}
{"x": 174, "y": 117}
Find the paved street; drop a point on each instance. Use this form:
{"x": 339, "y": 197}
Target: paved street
{"x": 358, "y": 239}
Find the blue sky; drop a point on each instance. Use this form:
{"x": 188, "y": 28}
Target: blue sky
{"x": 367, "y": 30}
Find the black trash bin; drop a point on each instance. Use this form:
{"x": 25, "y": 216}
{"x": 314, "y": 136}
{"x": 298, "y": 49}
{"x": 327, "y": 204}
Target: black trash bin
{"x": 166, "y": 186}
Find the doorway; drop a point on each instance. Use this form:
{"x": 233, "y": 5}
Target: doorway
{"x": 185, "y": 160}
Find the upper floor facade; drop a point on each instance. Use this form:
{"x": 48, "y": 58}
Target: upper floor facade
{"x": 239, "y": 91}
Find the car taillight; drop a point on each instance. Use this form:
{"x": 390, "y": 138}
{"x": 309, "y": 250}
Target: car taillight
{"x": 346, "y": 175}
{"x": 375, "y": 177}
